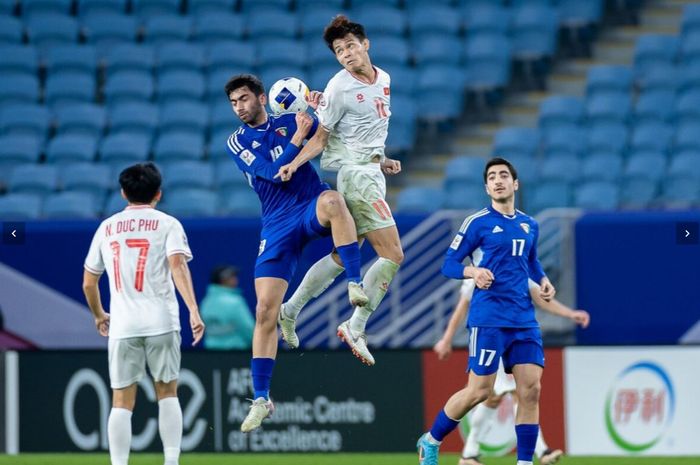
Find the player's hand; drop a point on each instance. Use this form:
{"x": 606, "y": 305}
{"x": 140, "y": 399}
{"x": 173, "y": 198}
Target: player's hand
{"x": 443, "y": 349}
{"x": 286, "y": 172}
{"x": 197, "y": 326}
{"x": 483, "y": 278}
{"x": 390, "y": 166}
{"x": 547, "y": 290}
{"x": 314, "y": 99}
{"x": 581, "y": 318}
{"x": 102, "y": 324}
{"x": 304, "y": 123}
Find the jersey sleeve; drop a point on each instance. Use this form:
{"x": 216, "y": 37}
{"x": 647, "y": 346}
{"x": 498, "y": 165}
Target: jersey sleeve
{"x": 331, "y": 108}
{"x": 466, "y": 290}
{"x": 94, "y": 262}
{"x": 251, "y": 161}
{"x": 464, "y": 243}
{"x": 535, "y": 267}
{"x": 176, "y": 241}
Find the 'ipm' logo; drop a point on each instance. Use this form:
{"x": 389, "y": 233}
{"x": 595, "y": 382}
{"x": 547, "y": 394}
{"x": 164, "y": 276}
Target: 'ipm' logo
{"x": 640, "y": 406}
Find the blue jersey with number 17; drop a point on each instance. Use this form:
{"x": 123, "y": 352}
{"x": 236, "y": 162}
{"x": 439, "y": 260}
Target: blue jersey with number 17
{"x": 506, "y": 245}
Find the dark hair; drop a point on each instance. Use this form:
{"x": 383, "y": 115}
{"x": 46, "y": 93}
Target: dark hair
{"x": 221, "y": 273}
{"x": 245, "y": 80}
{"x": 141, "y": 182}
{"x": 341, "y": 26}
{"x": 500, "y": 161}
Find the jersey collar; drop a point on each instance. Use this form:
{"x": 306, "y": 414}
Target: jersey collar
{"x": 508, "y": 217}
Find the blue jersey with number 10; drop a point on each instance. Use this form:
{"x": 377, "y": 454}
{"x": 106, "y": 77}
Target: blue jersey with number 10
{"x": 506, "y": 245}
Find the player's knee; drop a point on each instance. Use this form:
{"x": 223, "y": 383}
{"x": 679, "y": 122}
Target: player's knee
{"x": 494, "y": 400}
{"x": 332, "y": 203}
{"x": 398, "y": 255}
{"x": 265, "y": 313}
{"x": 530, "y": 393}
{"x": 477, "y": 394}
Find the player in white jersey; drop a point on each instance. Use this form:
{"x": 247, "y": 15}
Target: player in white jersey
{"x": 354, "y": 116}
{"x": 485, "y": 413}
{"x": 143, "y": 251}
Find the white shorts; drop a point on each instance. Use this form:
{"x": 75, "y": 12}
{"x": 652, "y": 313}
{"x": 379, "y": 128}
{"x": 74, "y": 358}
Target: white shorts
{"x": 504, "y": 382}
{"x": 364, "y": 190}
{"x": 128, "y": 358}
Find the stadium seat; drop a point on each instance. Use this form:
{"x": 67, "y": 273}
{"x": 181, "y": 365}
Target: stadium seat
{"x": 270, "y": 5}
{"x": 125, "y": 147}
{"x": 597, "y": 195}
{"x": 11, "y": 30}
{"x": 146, "y": 9}
{"x": 134, "y": 118}
{"x": 428, "y": 19}
{"x": 560, "y": 110}
{"x": 685, "y": 164}
{"x": 241, "y": 203}
{"x": 574, "y": 13}
{"x": 188, "y": 175}
{"x": 217, "y": 80}
{"x": 510, "y": 142}
{"x": 221, "y": 116}
{"x": 19, "y": 148}
{"x": 272, "y": 24}
{"x": 534, "y": 32}
{"x": 71, "y": 148}
{"x": 180, "y": 56}
{"x": 419, "y": 200}
{"x": 607, "y": 138}
{"x": 228, "y": 177}
{"x": 637, "y": 193}
{"x": 319, "y": 77}
{"x": 181, "y": 86}
{"x": 217, "y": 149}
{"x": 22, "y": 59}
{"x": 654, "y": 106}
{"x": 658, "y": 77}
{"x": 185, "y": 203}
{"x": 20, "y": 207}
{"x": 84, "y": 118}
{"x": 48, "y": 30}
{"x": 487, "y": 61}
{"x": 564, "y": 141}
{"x": 432, "y": 82}
{"x": 70, "y": 87}
{"x": 680, "y": 193}
{"x": 688, "y": 107}
{"x": 378, "y": 20}
{"x": 563, "y": 167}
{"x": 689, "y": 80}
{"x": 128, "y": 86}
{"x": 34, "y": 179}
{"x": 18, "y": 88}
{"x": 691, "y": 18}
{"x": 223, "y": 55}
{"x": 164, "y": 29}
{"x": 543, "y": 195}
{"x": 687, "y": 137}
{"x": 71, "y": 58}
{"x": 465, "y": 196}
{"x": 390, "y": 50}
{"x": 199, "y": 7}
{"x": 281, "y": 52}
{"x": 178, "y": 146}
{"x": 272, "y": 74}
{"x": 654, "y": 49}
{"x": 437, "y": 49}
{"x": 690, "y": 48}
{"x": 8, "y": 7}
{"x": 608, "y": 108}
{"x": 129, "y": 57}
{"x": 608, "y": 78}
{"x": 602, "y": 167}
{"x": 115, "y": 203}
{"x": 210, "y": 28}
{"x": 314, "y": 19}
{"x": 105, "y": 30}
{"x": 651, "y": 136}
{"x": 24, "y": 119}
{"x": 90, "y": 7}
{"x": 92, "y": 178}
{"x": 645, "y": 165}
{"x": 401, "y": 138}
{"x": 70, "y": 205}
{"x": 185, "y": 116}
{"x": 40, "y": 7}
{"x": 363, "y": 3}
{"x": 403, "y": 109}
{"x": 486, "y": 18}
{"x": 404, "y": 79}
{"x": 464, "y": 170}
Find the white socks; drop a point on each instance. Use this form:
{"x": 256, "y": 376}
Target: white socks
{"x": 316, "y": 280}
{"x": 119, "y": 434}
{"x": 376, "y": 283}
{"x": 523, "y": 462}
{"x": 170, "y": 427}
{"x": 479, "y": 425}
{"x": 540, "y": 446}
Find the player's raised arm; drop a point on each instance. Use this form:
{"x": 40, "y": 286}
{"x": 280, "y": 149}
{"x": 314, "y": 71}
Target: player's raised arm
{"x": 464, "y": 243}
{"x": 311, "y": 150}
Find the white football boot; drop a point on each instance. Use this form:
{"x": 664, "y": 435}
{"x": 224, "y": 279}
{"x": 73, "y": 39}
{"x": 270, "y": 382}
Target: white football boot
{"x": 357, "y": 342}
{"x": 288, "y": 329}
{"x": 260, "y": 409}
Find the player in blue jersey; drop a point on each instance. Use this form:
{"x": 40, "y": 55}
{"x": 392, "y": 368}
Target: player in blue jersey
{"x": 502, "y": 244}
{"x": 293, "y": 213}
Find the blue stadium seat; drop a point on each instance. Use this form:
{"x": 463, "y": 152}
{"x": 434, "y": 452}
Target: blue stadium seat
{"x": 145, "y": 9}
{"x": 690, "y": 48}
{"x": 185, "y": 203}
{"x": 646, "y": 165}
{"x": 465, "y": 196}
{"x": 658, "y": 77}
{"x": 217, "y": 80}
{"x": 114, "y": 204}
{"x": 638, "y": 193}
{"x": 404, "y": 79}
{"x": 486, "y": 18}
{"x": 8, "y": 7}
{"x": 24, "y": 119}
{"x": 272, "y": 25}
{"x": 178, "y": 146}
{"x": 487, "y": 61}
{"x": 18, "y": 88}
{"x": 683, "y": 192}
{"x": 105, "y": 30}
{"x": 272, "y": 74}
{"x": 70, "y": 87}
{"x": 134, "y": 118}
{"x": 688, "y": 107}
{"x": 180, "y": 56}
{"x": 653, "y": 49}
{"x": 86, "y": 118}
{"x": 70, "y": 205}
{"x": 691, "y": 18}
{"x": 437, "y": 49}
{"x": 19, "y": 148}
{"x": 223, "y": 55}
{"x": 607, "y": 138}
{"x": 528, "y": 170}
{"x": 281, "y": 52}
{"x": 305, "y": 6}
{"x": 597, "y": 195}
{"x": 378, "y": 20}
{"x": 432, "y": 83}
{"x": 228, "y": 177}
{"x": 533, "y": 32}
{"x": 652, "y": 136}
{"x": 34, "y": 179}
{"x": 560, "y": 110}
{"x": 464, "y": 170}
{"x": 390, "y": 50}
{"x": 543, "y": 195}
{"x": 71, "y": 148}
{"x": 403, "y": 109}
{"x": 513, "y": 142}
{"x": 419, "y": 200}
{"x": 41, "y": 7}
{"x": 198, "y": 7}
{"x": 11, "y": 30}
{"x": 181, "y": 85}
{"x": 19, "y": 59}
{"x": 217, "y": 149}
{"x": 221, "y": 117}
{"x": 685, "y": 164}
{"x": 362, "y": 3}
{"x": 654, "y": 106}
{"x": 574, "y": 13}
{"x": 565, "y": 140}
{"x": 269, "y": 5}
{"x": 602, "y": 167}
{"x": 210, "y": 28}
{"x": 608, "y": 78}
{"x": 687, "y": 137}
{"x": 125, "y": 147}
{"x": 20, "y": 207}
{"x": 519, "y": 3}
{"x": 130, "y": 57}
{"x": 430, "y": 18}
{"x": 240, "y": 203}
{"x": 185, "y": 116}
{"x": 314, "y": 19}
{"x": 92, "y": 178}
{"x": 129, "y": 86}
{"x": 90, "y": 7}
{"x": 168, "y": 28}
{"x": 689, "y": 78}
{"x": 401, "y": 138}
{"x": 319, "y": 77}
{"x": 608, "y": 108}
{"x": 563, "y": 167}
{"x": 188, "y": 175}
{"x": 74, "y": 58}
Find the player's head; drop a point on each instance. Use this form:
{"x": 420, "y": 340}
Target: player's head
{"x": 247, "y": 96}
{"x": 349, "y": 43}
{"x": 141, "y": 183}
{"x": 501, "y": 179}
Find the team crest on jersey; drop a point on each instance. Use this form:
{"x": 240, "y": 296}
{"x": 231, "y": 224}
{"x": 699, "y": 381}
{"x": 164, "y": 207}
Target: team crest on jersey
{"x": 360, "y": 98}
{"x": 247, "y": 157}
{"x": 281, "y": 132}
{"x": 526, "y": 227}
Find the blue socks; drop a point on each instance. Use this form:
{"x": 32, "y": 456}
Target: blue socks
{"x": 262, "y": 375}
{"x": 444, "y": 425}
{"x": 350, "y": 256}
{"x": 527, "y": 438}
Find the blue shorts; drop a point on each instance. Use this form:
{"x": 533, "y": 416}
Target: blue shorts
{"x": 516, "y": 346}
{"x": 281, "y": 245}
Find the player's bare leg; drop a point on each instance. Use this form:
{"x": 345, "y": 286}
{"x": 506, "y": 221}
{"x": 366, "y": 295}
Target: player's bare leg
{"x": 169, "y": 420}
{"x": 269, "y": 292}
{"x": 119, "y": 424}
{"x": 479, "y": 426}
{"x": 527, "y": 380}
{"x": 387, "y": 245}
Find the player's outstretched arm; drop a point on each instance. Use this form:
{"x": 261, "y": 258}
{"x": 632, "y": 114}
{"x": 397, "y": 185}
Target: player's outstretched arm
{"x": 183, "y": 283}
{"x": 443, "y": 347}
{"x": 92, "y": 295}
{"x": 312, "y": 149}
{"x": 553, "y": 306}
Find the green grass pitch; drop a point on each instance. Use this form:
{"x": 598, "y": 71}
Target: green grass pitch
{"x": 317, "y": 459}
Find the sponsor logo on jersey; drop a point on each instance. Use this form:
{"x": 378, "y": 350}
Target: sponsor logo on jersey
{"x": 256, "y": 144}
{"x": 247, "y": 157}
{"x": 360, "y": 98}
{"x": 456, "y": 241}
{"x": 497, "y": 229}
{"x": 526, "y": 227}
{"x": 387, "y": 91}
{"x": 281, "y": 131}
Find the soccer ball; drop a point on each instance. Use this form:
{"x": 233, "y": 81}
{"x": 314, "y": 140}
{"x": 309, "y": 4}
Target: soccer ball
{"x": 288, "y": 95}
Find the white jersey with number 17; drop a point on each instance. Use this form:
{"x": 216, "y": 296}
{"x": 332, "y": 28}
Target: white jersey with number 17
{"x": 133, "y": 246}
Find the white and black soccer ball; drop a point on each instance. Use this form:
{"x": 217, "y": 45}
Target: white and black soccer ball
{"x": 288, "y": 95}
